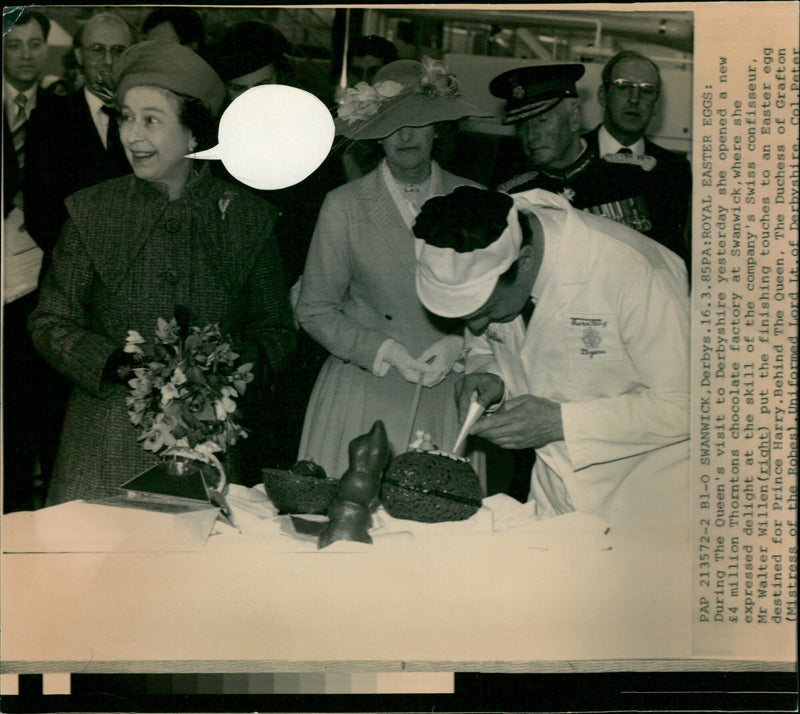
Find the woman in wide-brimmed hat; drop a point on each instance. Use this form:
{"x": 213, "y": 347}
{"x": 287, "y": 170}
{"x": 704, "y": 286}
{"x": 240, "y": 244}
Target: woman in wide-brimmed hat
{"x": 358, "y": 298}
{"x": 135, "y": 247}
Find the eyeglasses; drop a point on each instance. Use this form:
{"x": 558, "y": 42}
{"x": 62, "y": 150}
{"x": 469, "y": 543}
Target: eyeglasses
{"x": 98, "y": 51}
{"x": 648, "y": 92}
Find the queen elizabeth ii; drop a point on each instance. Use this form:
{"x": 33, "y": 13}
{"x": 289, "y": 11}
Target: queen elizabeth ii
{"x": 135, "y": 247}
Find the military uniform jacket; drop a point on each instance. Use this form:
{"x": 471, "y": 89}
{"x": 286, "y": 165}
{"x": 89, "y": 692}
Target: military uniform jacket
{"x": 649, "y": 194}
{"x": 128, "y": 256}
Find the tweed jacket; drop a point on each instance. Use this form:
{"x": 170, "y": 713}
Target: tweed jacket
{"x": 127, "y": 256}
{"x": 359, "y": 279}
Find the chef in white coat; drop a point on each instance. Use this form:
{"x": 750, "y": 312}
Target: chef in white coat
{"x": 598, "y": 380}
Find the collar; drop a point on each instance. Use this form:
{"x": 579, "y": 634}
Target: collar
{"x": 94, "y": 102}
{"x": 409, "y": 209}
{"x": 607, "y": 144}
{"x": 566, "y": 173}
{"x": 550, "y": 257}
{"x": 196, "y": 186}
{"x": 10, "y": 94}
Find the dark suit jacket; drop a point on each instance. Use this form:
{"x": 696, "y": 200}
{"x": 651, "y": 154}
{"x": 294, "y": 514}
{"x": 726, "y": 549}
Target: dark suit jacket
{"x": 667, "y": 191}
{"x": 64, "y": 153}
{"x": 12, "y": 174}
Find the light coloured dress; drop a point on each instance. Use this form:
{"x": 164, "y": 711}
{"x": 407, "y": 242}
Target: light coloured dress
{"x": 359, "y": 290}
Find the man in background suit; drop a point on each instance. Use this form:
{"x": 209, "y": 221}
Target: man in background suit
{"x": 77, "y": 144}
{"x": 24, "y": 402}
{"x": 71, "y": 143}
{"x": 629, "y": 94}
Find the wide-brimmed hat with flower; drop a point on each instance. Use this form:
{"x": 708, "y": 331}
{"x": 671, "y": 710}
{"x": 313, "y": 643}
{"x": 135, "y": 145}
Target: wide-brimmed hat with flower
{"x": 403, "y": 93}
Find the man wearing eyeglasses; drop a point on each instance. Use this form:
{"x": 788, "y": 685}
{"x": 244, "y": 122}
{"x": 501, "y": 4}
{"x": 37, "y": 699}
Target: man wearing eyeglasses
{"x": 542, "y": 103}
{"x": 76, "y": 144}
{"x": 629, "y": 93}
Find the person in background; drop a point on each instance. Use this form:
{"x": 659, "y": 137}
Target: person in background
{"x": 76, "y": 144}
{"x": 176, "y": 24}
{"x": 137, "y": 246}
{"x": 25, "y": 402}
{"x": 251, "y": 54}
{"x": 24, "y": 57}
{"x": 542, "y": 102}
{"x": 597, "y": 379}
{"x": 71, "y": 79}
{"x": 365, "y": 56}
{"x": 357, "y": 296}
{"x": 629, "y": 93}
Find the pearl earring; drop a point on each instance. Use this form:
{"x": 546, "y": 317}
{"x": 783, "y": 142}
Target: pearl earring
{"x": 192, "y": 144}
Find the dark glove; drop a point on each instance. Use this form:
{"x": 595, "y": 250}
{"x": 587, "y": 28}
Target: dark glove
{"x": 118, "y": 368}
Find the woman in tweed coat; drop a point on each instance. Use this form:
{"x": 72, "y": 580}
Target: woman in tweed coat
{"x": 358, "y": 298}
{"x": 135, "y": 247}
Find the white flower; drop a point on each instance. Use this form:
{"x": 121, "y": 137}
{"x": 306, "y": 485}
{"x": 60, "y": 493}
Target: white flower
{"x": 168, "y": 393}
{"x": 363, "y": 101}
{"x": 132, "y": 342}
{"x": 223, "y": 407}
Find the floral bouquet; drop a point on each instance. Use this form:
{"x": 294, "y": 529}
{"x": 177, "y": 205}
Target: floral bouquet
{"x": 183, "y": 391}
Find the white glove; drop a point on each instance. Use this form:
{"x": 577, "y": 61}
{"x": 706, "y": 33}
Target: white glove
{"x": 442, "y": 355}
{"x": 411, "y": 369}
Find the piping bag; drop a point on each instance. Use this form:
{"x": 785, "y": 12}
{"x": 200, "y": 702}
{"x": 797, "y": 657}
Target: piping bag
{"x": 474, "y": 413}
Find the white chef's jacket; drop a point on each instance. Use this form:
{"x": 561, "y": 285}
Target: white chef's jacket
{"x": 609, "y": 340}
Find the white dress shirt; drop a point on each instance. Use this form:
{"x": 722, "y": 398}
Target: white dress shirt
{"x": 607, "y": 144}
{"x": 12, "y": 110}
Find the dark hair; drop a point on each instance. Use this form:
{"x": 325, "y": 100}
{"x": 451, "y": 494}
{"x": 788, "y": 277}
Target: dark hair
{"x": 467, "y": 219}
{"x": 186, "y": 22}
{"x": 373, "y": 46}
{"x": 247, "y": 47}
{"x": 608, "y": 70}
{"x": 27, "y": 16}
{"x": 199, "y": 120}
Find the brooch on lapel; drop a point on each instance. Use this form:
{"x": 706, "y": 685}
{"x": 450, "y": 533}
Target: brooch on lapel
{"x": 224, "y": 202}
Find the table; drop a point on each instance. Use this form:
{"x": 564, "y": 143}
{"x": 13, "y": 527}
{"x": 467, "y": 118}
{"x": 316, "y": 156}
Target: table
{"x": 237, "y": 602}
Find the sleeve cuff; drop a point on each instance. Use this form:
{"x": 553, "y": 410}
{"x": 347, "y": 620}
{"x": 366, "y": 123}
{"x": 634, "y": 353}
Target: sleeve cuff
{"x": 381, "y": 365}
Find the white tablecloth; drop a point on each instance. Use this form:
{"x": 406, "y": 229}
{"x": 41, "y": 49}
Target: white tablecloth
{"x": 95, "y": 588}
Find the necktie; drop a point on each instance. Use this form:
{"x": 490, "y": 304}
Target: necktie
{"x": 114, "y": 150}
{"x": 113, "y": 129}
{"x": 624, "y": 150}
{"x": 18, "y": 130}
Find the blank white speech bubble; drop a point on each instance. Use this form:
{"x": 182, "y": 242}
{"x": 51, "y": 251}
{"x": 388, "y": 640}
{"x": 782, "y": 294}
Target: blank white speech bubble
{"x": 272, "y": 136}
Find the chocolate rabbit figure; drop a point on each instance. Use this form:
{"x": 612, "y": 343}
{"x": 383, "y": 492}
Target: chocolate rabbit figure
{"x": 359, "y": 489}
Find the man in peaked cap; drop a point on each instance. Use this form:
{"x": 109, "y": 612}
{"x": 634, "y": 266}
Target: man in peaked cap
{"x": 597, "y": 379}
{"x": 542, "y": 103}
